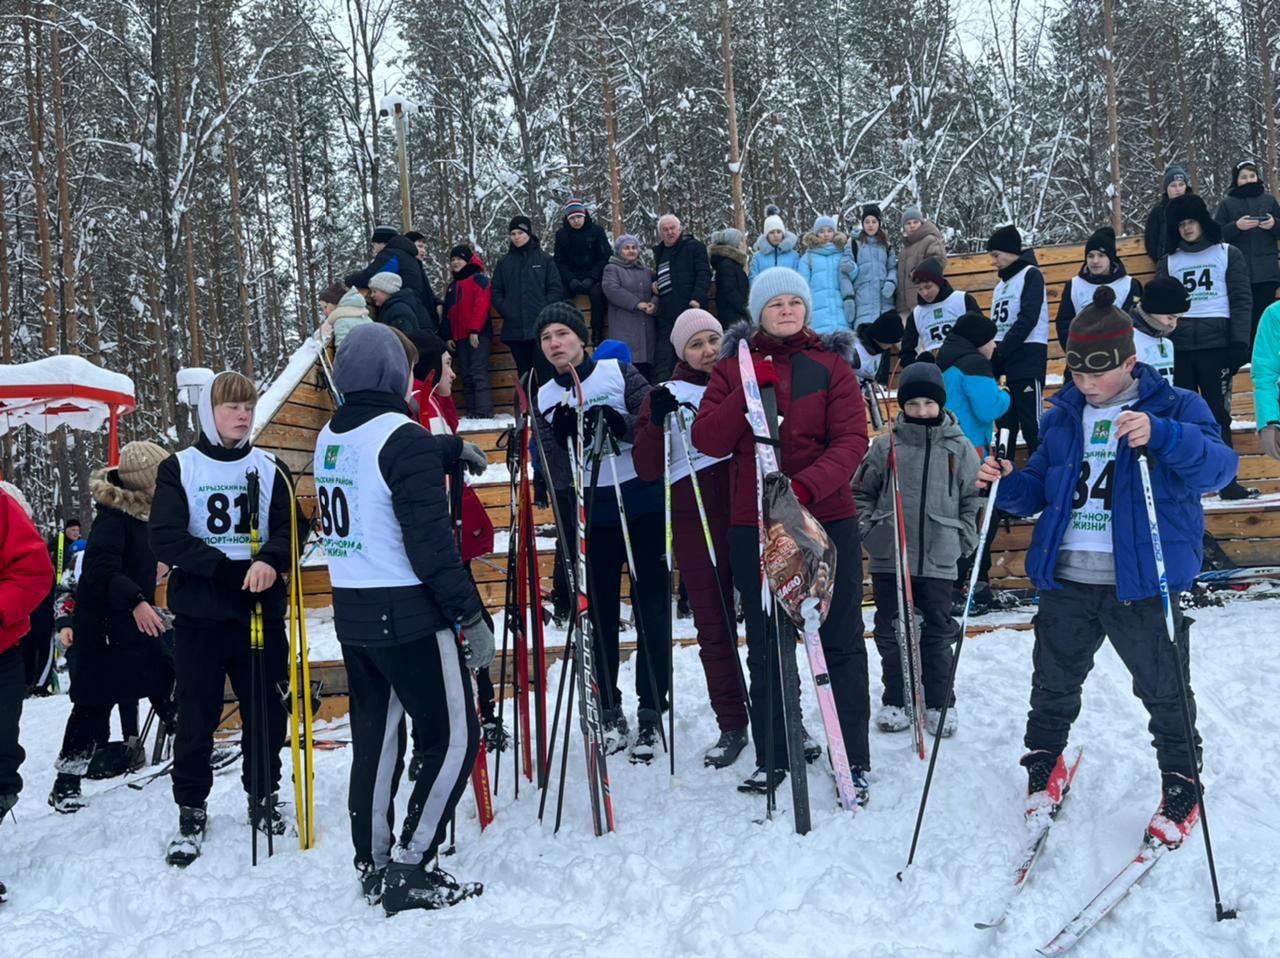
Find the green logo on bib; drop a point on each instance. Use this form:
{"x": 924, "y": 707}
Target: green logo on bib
{"x": 331, "y": 456}
{"x": 1101, "y": 432}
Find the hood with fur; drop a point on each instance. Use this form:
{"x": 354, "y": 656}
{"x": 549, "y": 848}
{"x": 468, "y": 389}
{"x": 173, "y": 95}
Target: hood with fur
{"x": 762, "y": 244}
{"x": 841, "y": 342}
{"x": 728, "y": 252}
{"x": 106, "y": 490}
{"x": 814, "y": 245}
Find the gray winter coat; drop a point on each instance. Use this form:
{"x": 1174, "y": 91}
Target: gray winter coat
{"x": 1257, "y": 245}
{"x": 937, "y": 472}
{"x": 524, "y": 281}
{"x": 872, "y": 291}
{"x": 626, "y": 287}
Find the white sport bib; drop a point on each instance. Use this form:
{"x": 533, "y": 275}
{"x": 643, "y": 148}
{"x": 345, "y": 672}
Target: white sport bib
{"x": 686, "y": 392}
{"x": 1090, "y": 526}
{"x": 1006, "y": 299}
{"x": 362, "y": 537}
{"x": 1082, "y": 291}
{"x": 218, "y": 498}
{"x": 1204, "y": 276}
{"x": 1156, "y": 352}
{"x": 606, "y": 386}
{"x": 934, "y": 320}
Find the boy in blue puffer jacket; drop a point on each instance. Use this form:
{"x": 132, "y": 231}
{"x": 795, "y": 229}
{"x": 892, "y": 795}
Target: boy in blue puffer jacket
{"x": 820, "y": 265}
{"x": 1091, "y": 554}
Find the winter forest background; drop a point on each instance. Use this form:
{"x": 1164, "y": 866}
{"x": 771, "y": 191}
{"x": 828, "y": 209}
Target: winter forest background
{"x": 179, "y": 178}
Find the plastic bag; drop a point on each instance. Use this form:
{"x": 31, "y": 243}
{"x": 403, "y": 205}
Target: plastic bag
{"x": 799, "y": 558}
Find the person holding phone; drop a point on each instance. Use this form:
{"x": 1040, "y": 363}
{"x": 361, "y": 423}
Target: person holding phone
{"x": 1250, "y": 220}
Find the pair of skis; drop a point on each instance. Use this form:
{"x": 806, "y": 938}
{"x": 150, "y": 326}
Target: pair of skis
{"x": 762, "y": 416}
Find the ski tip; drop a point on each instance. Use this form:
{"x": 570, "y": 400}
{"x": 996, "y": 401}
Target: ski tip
{"x": 992, "y": 923}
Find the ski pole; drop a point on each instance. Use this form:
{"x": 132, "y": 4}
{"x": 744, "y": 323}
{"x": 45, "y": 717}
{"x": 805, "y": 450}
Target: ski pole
{"x": 670, "y": 636}
{"x": 258, "y": 738}
{"x": 1144, "y": 470}
{"x": 1000, "y": 452}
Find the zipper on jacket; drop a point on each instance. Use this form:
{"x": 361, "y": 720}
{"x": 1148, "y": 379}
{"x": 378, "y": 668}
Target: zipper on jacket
{"x": 924, "y": 499}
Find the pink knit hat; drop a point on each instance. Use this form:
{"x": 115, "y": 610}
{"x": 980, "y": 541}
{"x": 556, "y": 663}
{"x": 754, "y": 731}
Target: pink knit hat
{"x": 688, "y": 324}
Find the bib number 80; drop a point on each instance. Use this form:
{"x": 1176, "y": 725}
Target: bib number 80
{"x": 335, "y": 513}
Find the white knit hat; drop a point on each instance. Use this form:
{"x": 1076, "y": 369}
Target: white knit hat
{"x": 772, "y": 223}
{"x": 386, "y": 282}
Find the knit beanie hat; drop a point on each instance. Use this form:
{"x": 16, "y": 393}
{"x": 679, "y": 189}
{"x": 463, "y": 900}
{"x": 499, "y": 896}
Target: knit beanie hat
{"x": 688, "y": 324}
{"x": 976, "y": 328}
{"x": 386, "y": 282}
{"x": 872, "y": 209}
{"x": 413, "y": 236}
{"x": 564, "y": 313}
{"x": 622, "y": 241}
{"x": 612, "y": 349}
{"x": 431, "y": 349}
{"x": 778, "y": 281}
{"x": 138, "y": 464}
{"x": 1006, "y": 239}
{"x": 1101, "y": 336}
{"x": 773, "y": 222}
{"x": 824, "y": 223}
{"x": 462, "y": 251}
{"x": 726, "y": 237}
{"x": 575, "y": 205}
{"x": 1172, "y": 173}
{"x": 1165, "y": 296}
{"x": 383, "y": 234}
{"x": 887, "y": 327}
{"x": 912, "y": 212}
{"x": 1104, "y": 241}
{"x": 372, "y": 357}
{"x": 522, "y": 223}
{"x": 921, "y": 380}
{"x": 930, "y": 270}
{"x": 1244, "y": 165}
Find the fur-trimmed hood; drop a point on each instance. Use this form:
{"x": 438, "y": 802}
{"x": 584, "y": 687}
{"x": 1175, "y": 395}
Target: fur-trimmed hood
{"x": 762, "y": 244}
{"x": 841, "y": 342}
{"x": 104, "y": 486}
{"x": 728, "y": 252}
{"x": 814, "y": 245}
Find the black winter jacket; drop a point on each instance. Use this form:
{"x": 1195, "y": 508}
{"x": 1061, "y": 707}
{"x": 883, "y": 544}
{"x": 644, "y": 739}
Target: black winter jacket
{"x": 1216, "y": 332}
{"x": 690, "y": 276}
{"x": 1067, "y": 308}
{"x": 581, "y": 254}
{"x": 524, "y": 280}
{"x": 911, "y": 336}
{"x": 413, "y": 463}
{"x": 115, "y": 662}
{"x": 201, "y": 583}
{"x": 1015, "y": 358}
{"x": 732, "y": 289}
{"x": 406, "y": 312}
{"x": 399, "y": 256}
{"x": 1257, "y": 245}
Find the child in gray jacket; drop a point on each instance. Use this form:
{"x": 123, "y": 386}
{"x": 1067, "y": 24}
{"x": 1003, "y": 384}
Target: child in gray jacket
{"x": 937, "y": 470}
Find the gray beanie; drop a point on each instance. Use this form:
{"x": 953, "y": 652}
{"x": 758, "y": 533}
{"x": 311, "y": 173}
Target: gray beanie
{"x": 386, "y": 282}
{"x": 371, "y": 358}
{"x": 912, "y": 213}
{"x": 778, "y": 281}
{"x": 726, "y": 237}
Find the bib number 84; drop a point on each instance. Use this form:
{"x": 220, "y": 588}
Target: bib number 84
{"x": 1100, "y": 488}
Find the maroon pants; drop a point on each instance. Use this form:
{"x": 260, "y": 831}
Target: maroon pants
{"x": 717, "y": 635}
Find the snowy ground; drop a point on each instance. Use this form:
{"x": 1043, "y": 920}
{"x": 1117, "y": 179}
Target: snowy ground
{"x": 690, "y": 870}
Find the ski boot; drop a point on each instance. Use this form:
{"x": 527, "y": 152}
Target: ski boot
{"x": 413, "y": 886}
{"x": 1046, "y": 782}
{"x": 860, "y": 785}
{"x": 1178, "y": 812}
{"x": 615, "y": 730}
{"x": 758, "y": 782}
{"x": 727, "y": 749}
{"x": 65, "y": 796}
{"x": 266, "y": 817}
{"x": 949, "y": 727}
{"x": 892, "y": 718}
{"x": 371, "y": 880}
{"x": 1233, "y": 490}
{"x": 185, "y": 846}
{"x": 647, "y": 735}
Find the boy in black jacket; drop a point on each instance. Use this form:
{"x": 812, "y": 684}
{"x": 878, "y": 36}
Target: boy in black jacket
{"x": 1020, "y": 310}
{"x": 400, "y": 596}
{"x": 200, "y": 526}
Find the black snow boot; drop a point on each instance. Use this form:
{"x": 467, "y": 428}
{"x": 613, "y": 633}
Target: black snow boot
{"x": 645, "y": 746}
{"x": 413, "y": 886}
{"x": 758, "y": 783}
{"x": 371, "y": 879}
{"x": 727, "y": 749}
{"x": 185, "y": 846}
{"x": 65, "y": 796}
{"x": 266, "y": 816}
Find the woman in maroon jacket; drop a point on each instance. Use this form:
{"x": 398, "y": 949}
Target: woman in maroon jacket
{"x": 696, "y": 340}
{"x": 467, "y": 326}
{"x": 823, "y": 437}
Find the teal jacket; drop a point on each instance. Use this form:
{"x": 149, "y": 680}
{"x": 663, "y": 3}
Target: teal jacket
{"x": 1265, "y": 368}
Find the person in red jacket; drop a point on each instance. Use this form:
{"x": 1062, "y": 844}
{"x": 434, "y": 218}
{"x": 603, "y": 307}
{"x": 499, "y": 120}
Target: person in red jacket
{"x": 696, "y": 340}
{"x": 25, "y": 573}
{"x": 467, "y": 324}
{"x": 823, "y": 438}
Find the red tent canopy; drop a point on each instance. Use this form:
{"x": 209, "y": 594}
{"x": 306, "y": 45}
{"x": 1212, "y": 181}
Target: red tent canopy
{"x": 65, "y": 391}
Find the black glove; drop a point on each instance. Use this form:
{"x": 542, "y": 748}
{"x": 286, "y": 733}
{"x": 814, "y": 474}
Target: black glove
{"x": 662, "y": 403}
{"x": 613, "y": 421}
{"x": 1237, "y": 356}
{"x": 540, "y": 497}
{"x": 564, "y": 426}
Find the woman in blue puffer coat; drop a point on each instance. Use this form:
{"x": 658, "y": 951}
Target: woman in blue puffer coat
{"x": 820, "y": 265}
{"x": 868, "y": 271}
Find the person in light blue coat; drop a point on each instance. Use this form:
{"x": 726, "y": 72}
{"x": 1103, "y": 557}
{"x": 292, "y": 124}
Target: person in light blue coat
{"x": 776, "y": 246}
{"x": 868, "y": 271}
{"x": 820, "y": 266}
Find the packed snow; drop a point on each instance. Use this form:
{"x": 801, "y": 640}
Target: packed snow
{"x": 693, "y": 869}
